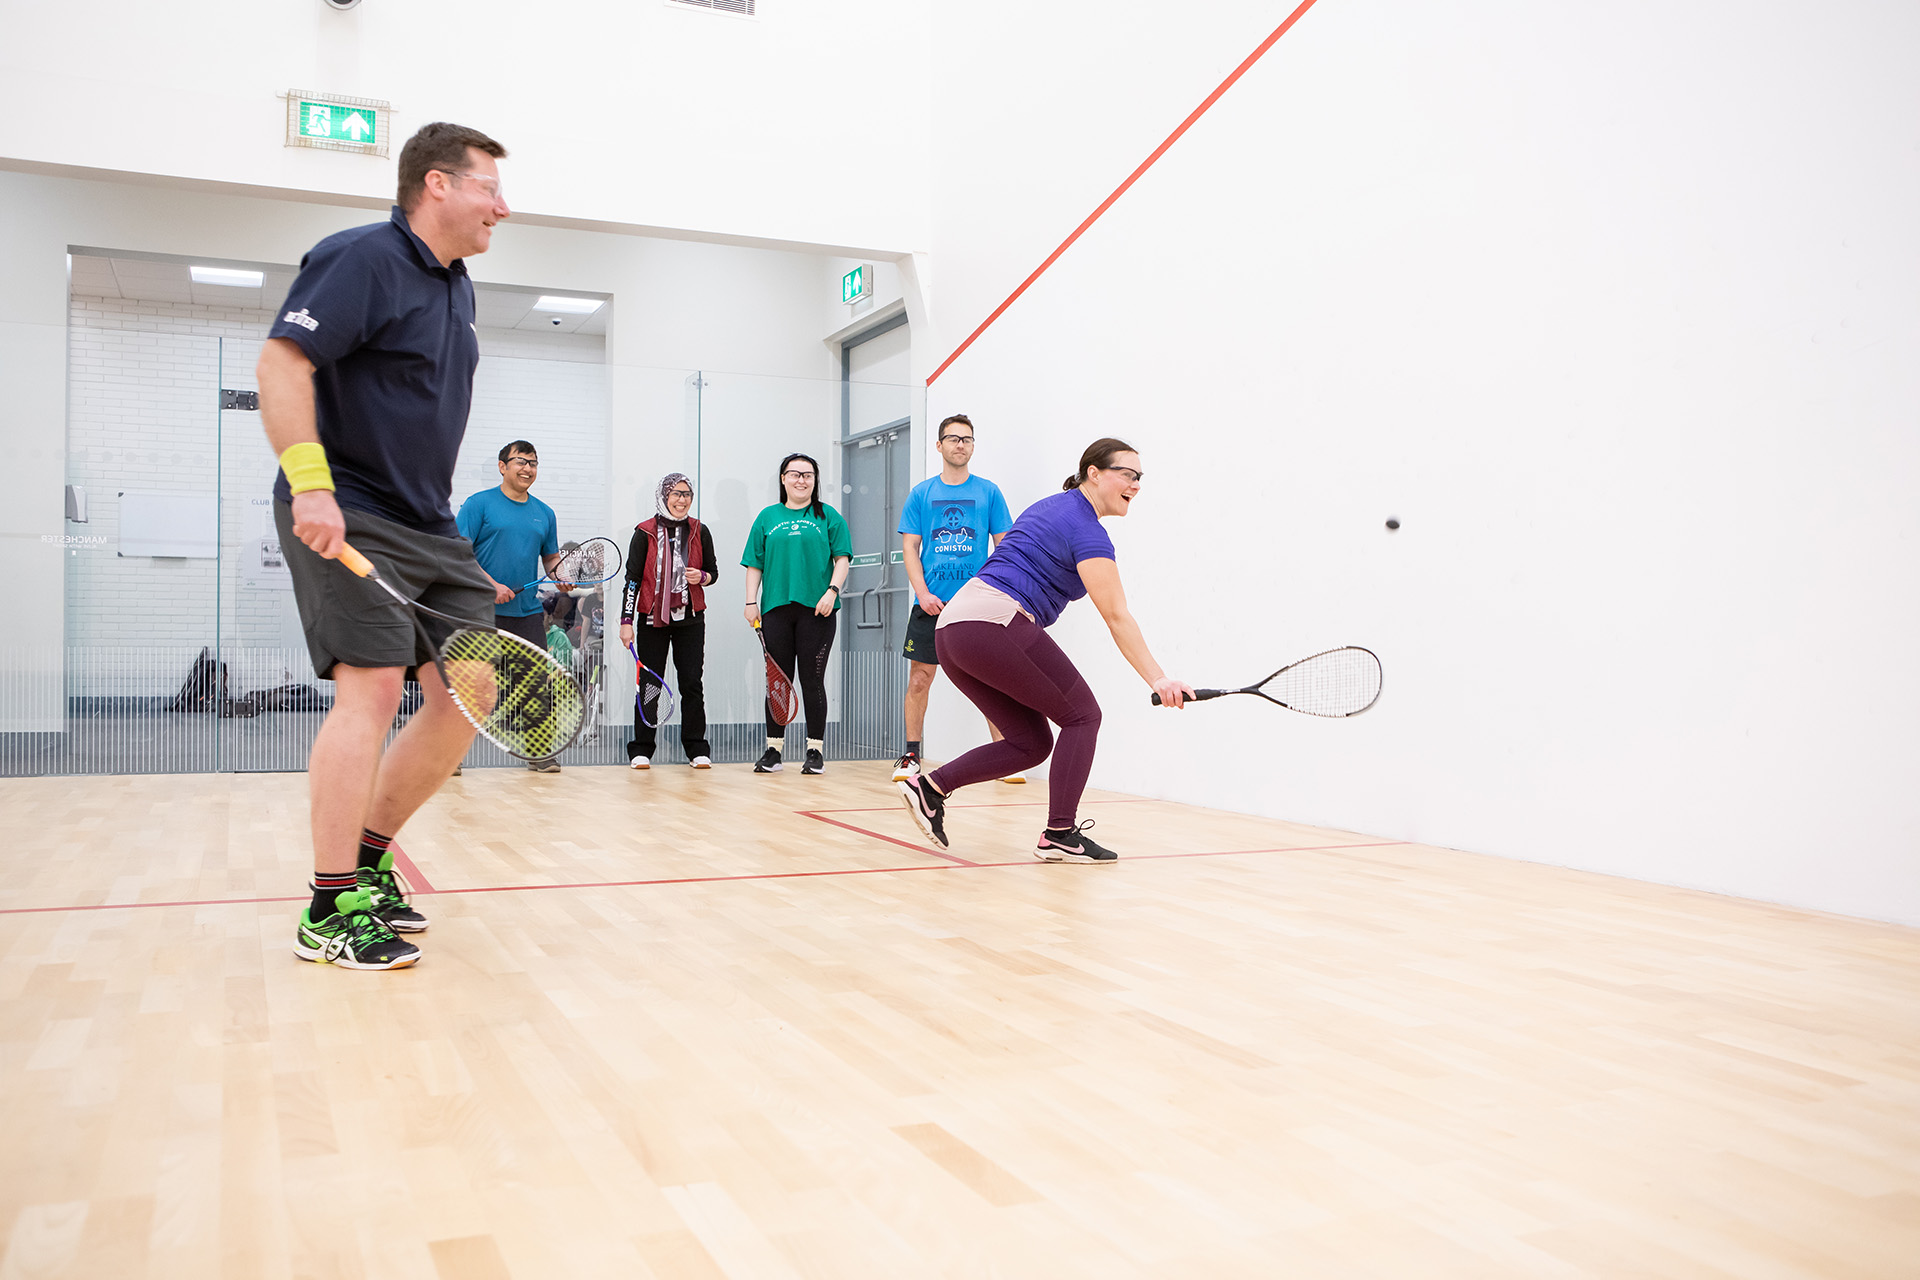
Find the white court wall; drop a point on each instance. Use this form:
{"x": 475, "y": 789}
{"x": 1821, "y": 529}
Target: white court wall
{"x": 1617, "y": 309}
{"x": 805, "y": 124}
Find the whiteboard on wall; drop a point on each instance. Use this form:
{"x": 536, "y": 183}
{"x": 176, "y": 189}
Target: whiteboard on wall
{"x": 169, "y": 524}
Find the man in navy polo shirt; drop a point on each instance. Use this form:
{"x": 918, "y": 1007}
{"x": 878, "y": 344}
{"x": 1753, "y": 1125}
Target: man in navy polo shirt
{"x": 365, "y": 383}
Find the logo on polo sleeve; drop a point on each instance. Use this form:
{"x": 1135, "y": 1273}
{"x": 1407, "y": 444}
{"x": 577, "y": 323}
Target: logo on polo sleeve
{"x": 302, "y": 319}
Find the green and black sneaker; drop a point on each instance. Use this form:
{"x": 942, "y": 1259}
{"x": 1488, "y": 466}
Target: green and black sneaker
{"x": 353, "y": 937}
{"x": 392, "y": 896}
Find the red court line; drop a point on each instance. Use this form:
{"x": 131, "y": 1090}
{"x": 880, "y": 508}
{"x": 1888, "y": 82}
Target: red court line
{"x": 904, "y": 844}
{"x": 1132, "y": 178}
{"x": 414, "y": 875}
{"x": 759, "y": 875}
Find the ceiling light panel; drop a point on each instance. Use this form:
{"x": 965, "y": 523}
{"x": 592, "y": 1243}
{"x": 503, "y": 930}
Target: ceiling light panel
{"x": 566, "y": 306}
{"x": 228, "y": 276}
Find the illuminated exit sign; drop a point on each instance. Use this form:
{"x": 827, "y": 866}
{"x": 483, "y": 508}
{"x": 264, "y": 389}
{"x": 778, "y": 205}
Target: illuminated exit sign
{"x": 335, "y": 123}
{"x": 857, "y": 284}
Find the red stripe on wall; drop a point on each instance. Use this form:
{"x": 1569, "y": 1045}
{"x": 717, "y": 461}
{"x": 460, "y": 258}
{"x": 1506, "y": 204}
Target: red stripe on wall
{"x": 1132, "y": 178}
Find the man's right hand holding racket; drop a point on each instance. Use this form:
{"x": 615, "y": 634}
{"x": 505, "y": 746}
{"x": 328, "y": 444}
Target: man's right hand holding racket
{"x": 318, "y": 523}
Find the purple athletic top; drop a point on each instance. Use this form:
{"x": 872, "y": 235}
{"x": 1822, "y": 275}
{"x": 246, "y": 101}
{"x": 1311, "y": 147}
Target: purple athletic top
{"x": 1037, "y": 563}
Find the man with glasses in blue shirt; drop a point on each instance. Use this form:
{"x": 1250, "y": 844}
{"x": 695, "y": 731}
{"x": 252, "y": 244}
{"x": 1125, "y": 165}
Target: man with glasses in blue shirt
{"x": 516, "y": 537}
{"x": 365, "y": 384}
{"x": 944, "y": 532}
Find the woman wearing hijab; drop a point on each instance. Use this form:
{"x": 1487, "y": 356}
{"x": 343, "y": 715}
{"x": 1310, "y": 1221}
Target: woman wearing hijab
{"x": 797, "y": 557}
{"x": 995, "y": 648}
{"x": 670, "y": 563}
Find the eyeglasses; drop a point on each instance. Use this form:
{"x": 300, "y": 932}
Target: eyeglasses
{"x": 1133, "y": 477}
{"x": 679, "y": 493}
{"x": 961, "y": 439}
{"x": 523, "y": 462}
{"x": 489, "y": 185}
{"x": 798, "y": 475}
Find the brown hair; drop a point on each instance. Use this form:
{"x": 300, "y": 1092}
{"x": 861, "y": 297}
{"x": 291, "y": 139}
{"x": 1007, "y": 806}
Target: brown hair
{"x": 948, "y": 421}
{"x": 1098, "y": 454}
{"x": 439, "y": 146}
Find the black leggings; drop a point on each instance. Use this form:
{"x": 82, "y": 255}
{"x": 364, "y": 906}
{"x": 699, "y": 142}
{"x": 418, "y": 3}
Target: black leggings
{"x": 797, "y": 635}
{"x": 688, "y": 641}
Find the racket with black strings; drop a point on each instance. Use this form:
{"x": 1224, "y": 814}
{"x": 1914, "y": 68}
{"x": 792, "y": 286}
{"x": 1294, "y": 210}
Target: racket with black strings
{"x": 514, "y": 693}
{"x": 648, "y": 680}
{"x": 782, "y": 701}
{"x": 592, "y": 562}
{"x": 1337, "y": 683}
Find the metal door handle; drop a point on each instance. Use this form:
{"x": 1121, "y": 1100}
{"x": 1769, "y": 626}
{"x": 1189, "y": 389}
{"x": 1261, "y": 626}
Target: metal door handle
{"x": 861, "y": 623}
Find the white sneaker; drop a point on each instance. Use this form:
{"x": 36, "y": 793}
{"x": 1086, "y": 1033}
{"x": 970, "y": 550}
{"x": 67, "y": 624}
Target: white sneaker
{"x": 701, "y": 762}
{"x": 906, "y": 766}
{"x": 639, "y": 762}
{"x": 1016, "y": 778}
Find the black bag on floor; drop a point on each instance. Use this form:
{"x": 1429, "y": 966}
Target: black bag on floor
{"x": 206, "y": 687}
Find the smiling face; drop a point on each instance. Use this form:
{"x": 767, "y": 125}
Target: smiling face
{"x": 1112, "y": 488}
{"x": 797, "y": 480}
{"x": 679, "y": 500}
{"x": 518, "y": 471}
{"x": 459, "y": 209}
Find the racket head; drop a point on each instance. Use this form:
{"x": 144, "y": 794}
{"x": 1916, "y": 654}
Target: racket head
{"x": 645, "y": 678}
{"x": 514, "y": 693}
{"x": 593, "y": 561}
{"x": 783, "y": 704}
{"x": 1336, "y": 683}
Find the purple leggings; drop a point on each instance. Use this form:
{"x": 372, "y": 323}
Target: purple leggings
{"x": 1020, "y": 679}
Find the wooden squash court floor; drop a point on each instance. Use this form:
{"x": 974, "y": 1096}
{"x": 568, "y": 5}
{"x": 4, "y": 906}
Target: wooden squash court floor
{"x": 699, "y": 1025}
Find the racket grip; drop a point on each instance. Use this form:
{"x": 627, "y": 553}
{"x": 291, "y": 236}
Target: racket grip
{"x": 1198, "y": 695}
{"x": 355, "y": 561}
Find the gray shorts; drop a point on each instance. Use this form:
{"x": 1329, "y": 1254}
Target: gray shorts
{"x": 348, "y": 619}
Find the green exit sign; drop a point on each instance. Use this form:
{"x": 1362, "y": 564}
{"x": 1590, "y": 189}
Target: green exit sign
{"x": 857, "y": 284}
{"x": 335, "y": 123}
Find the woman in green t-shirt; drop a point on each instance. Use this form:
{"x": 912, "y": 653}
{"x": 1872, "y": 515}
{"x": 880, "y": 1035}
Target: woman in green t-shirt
{"x": 796, "y": 561}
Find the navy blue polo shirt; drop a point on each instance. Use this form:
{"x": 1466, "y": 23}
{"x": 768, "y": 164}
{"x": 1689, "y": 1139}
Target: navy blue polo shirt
{"x": 390, "y": 334}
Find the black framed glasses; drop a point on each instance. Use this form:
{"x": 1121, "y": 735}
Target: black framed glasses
{"x": 798, "y": 475}
{"x": 517, "y": 461}
{"x": 961, "y": 439}
{"x": 1133, "y": 477}
{"x": 680, "y": 493}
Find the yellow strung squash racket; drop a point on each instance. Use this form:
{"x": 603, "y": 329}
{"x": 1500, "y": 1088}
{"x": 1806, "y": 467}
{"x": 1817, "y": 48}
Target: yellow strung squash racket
{"x": 513, "y": 692}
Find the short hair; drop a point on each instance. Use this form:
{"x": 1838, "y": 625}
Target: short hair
{"x": 506, "y": 450}
{"x": 948, "y": 421}
{"x": 439, "y": 146}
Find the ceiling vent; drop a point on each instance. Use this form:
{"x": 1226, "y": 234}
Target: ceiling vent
{"x": 742, "y": 7}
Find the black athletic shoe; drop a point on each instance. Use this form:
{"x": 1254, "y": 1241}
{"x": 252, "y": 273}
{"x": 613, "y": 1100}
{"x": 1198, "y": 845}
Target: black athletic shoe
{"x": 1069, "y": 844}
{"x": 928, "y": 807}
{"x": 816, "y": 763}
{"x": 768, "y": 763}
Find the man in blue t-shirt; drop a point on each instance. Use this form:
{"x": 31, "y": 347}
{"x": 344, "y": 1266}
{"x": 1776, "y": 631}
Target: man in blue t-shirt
{"x": 515, "y": 538}
{"x": 949, "y": 527}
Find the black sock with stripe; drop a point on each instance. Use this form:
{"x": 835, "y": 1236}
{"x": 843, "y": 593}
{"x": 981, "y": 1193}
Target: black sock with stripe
{"x": 373, "y": 847}
{"x": 326, "y": 892}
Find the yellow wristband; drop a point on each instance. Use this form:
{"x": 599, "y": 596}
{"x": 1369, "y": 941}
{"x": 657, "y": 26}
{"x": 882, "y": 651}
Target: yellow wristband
{"x": 306, "y": 467}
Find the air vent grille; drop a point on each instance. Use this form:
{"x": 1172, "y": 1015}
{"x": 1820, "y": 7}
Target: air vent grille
{"x": 743, "y": 7}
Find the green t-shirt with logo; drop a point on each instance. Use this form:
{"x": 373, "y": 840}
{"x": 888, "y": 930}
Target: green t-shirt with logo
{"x": 794, "y": 552}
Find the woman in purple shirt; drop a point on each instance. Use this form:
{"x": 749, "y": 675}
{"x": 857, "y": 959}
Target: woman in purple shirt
{"x": 995, "y": 648}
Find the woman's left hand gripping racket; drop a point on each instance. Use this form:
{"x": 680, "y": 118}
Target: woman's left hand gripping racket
{"x": 647, "y": 680}
{"x": 594, "y": 561}
{"x": 513, "y": 692}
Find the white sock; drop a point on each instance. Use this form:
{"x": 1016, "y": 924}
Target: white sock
{"x": 816, "y": 744}
{"x": 778, "y": 744}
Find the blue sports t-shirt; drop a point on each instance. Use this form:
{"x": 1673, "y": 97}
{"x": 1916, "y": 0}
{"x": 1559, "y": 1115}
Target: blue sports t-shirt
{"x": 509, "y": 538}
{"x": 1037, "y": 563}
{"x": 954, "y": 523}
{"x": 390, "y": 334}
